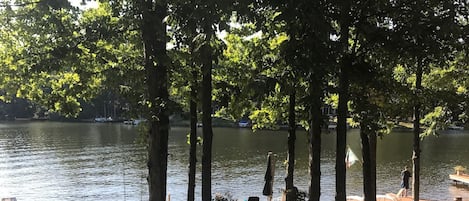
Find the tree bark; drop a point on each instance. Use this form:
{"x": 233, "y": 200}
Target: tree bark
{"x": 289, "y": 186}
{"x": 416, "y": 148}
{"x": 368, "y": 140}
{"x": 193, "y": 138}
{"x": 373, "y": 145}
{"x": 315, "y": 142}
{"x": 155, "y": 61}
{"x": 343, "y": 100}
{"x": 206, "y": 57}
{"x": 342, "y": 132}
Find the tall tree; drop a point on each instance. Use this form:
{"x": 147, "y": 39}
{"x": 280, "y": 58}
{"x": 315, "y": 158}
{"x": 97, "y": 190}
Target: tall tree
{"x": 345, "y": 21}
{"x": 213, "y": 16}
{"x": 184, "y": 33}
{"x": 291, "y": 27}
{"x": 370, "y": 97}
{"x": 425, "y": 33}
{"x": 207, "y": 59}
{"x": 40, "y": 46}
{"x": 289, "y": 186}
{"x": 156, "y": 62}
{"x": 212, "y": 13}
{"x": 369, "y": 76}
{"x": 307, "y": 54}
{"x": 193, "y": 138}
{"x": 270, "y": 69}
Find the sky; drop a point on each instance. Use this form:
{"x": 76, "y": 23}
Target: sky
{"x": 89, "y": 4}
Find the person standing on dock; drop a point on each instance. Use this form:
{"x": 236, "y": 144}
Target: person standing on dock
{"x": 405, "y": 174}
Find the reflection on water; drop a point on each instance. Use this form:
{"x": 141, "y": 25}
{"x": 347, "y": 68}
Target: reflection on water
{"x": 62, "y": 161}
{"x": 76, "y": 161}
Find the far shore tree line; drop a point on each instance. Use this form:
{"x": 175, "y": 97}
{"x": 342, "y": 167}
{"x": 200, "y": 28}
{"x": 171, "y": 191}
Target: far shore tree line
{"x": 269, "y": 61}
{"x": 100, "y": 106}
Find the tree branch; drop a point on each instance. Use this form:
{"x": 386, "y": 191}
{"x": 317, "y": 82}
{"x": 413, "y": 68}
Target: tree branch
{"x": 4, "y": 5}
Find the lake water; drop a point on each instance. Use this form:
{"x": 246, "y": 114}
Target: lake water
{"x": 91, "y": 161}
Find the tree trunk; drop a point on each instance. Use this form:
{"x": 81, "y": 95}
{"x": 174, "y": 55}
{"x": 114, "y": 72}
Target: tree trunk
{"x": 416, "y": 151}
{"x": 368, "y": 139}
{"x": 291, "y": 193}
{"x": 342, "y": 109}
{"x": 342, "y": 132}
{"x": 315, "y": 142}
{"x": 373, "y": 144}
{"x": 193, "y": 138}
{"x": 206, "y": 58}
{"x": 366, "y": 162}
{"x": 155, "y": 60}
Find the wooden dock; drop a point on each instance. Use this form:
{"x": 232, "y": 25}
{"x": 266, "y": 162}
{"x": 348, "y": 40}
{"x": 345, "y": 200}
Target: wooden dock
{"x": 463, "y": 178}
{"x": 387, "y": 197}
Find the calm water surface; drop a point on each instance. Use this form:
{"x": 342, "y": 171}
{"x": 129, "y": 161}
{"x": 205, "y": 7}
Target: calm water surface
{"x": 87, "y": 161}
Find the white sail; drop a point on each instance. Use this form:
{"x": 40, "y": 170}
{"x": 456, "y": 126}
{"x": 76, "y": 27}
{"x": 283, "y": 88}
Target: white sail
{"x": 350, "y": 158}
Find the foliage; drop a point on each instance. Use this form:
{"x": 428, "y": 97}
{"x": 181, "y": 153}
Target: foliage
{"x": 117, "y": 47}
{"x": 429, "y": 35}
{"x": 39, "y": 44}
{"x": 257, "y": 80}
{"x": 60, "y": 57}
{"x": 434, "y": 121}
{"x": 199, "y": 140}
{"x": 142, "y": 130}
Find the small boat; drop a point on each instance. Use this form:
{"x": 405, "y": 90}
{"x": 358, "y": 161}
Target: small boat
{"x": 134, "y": 121}
{"x": 244, "y": 124}
{"x": 102, "y": 119}
{"x": 455, "y": 127}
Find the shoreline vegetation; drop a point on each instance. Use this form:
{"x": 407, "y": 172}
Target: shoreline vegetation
{"x": 217, "y": 122}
